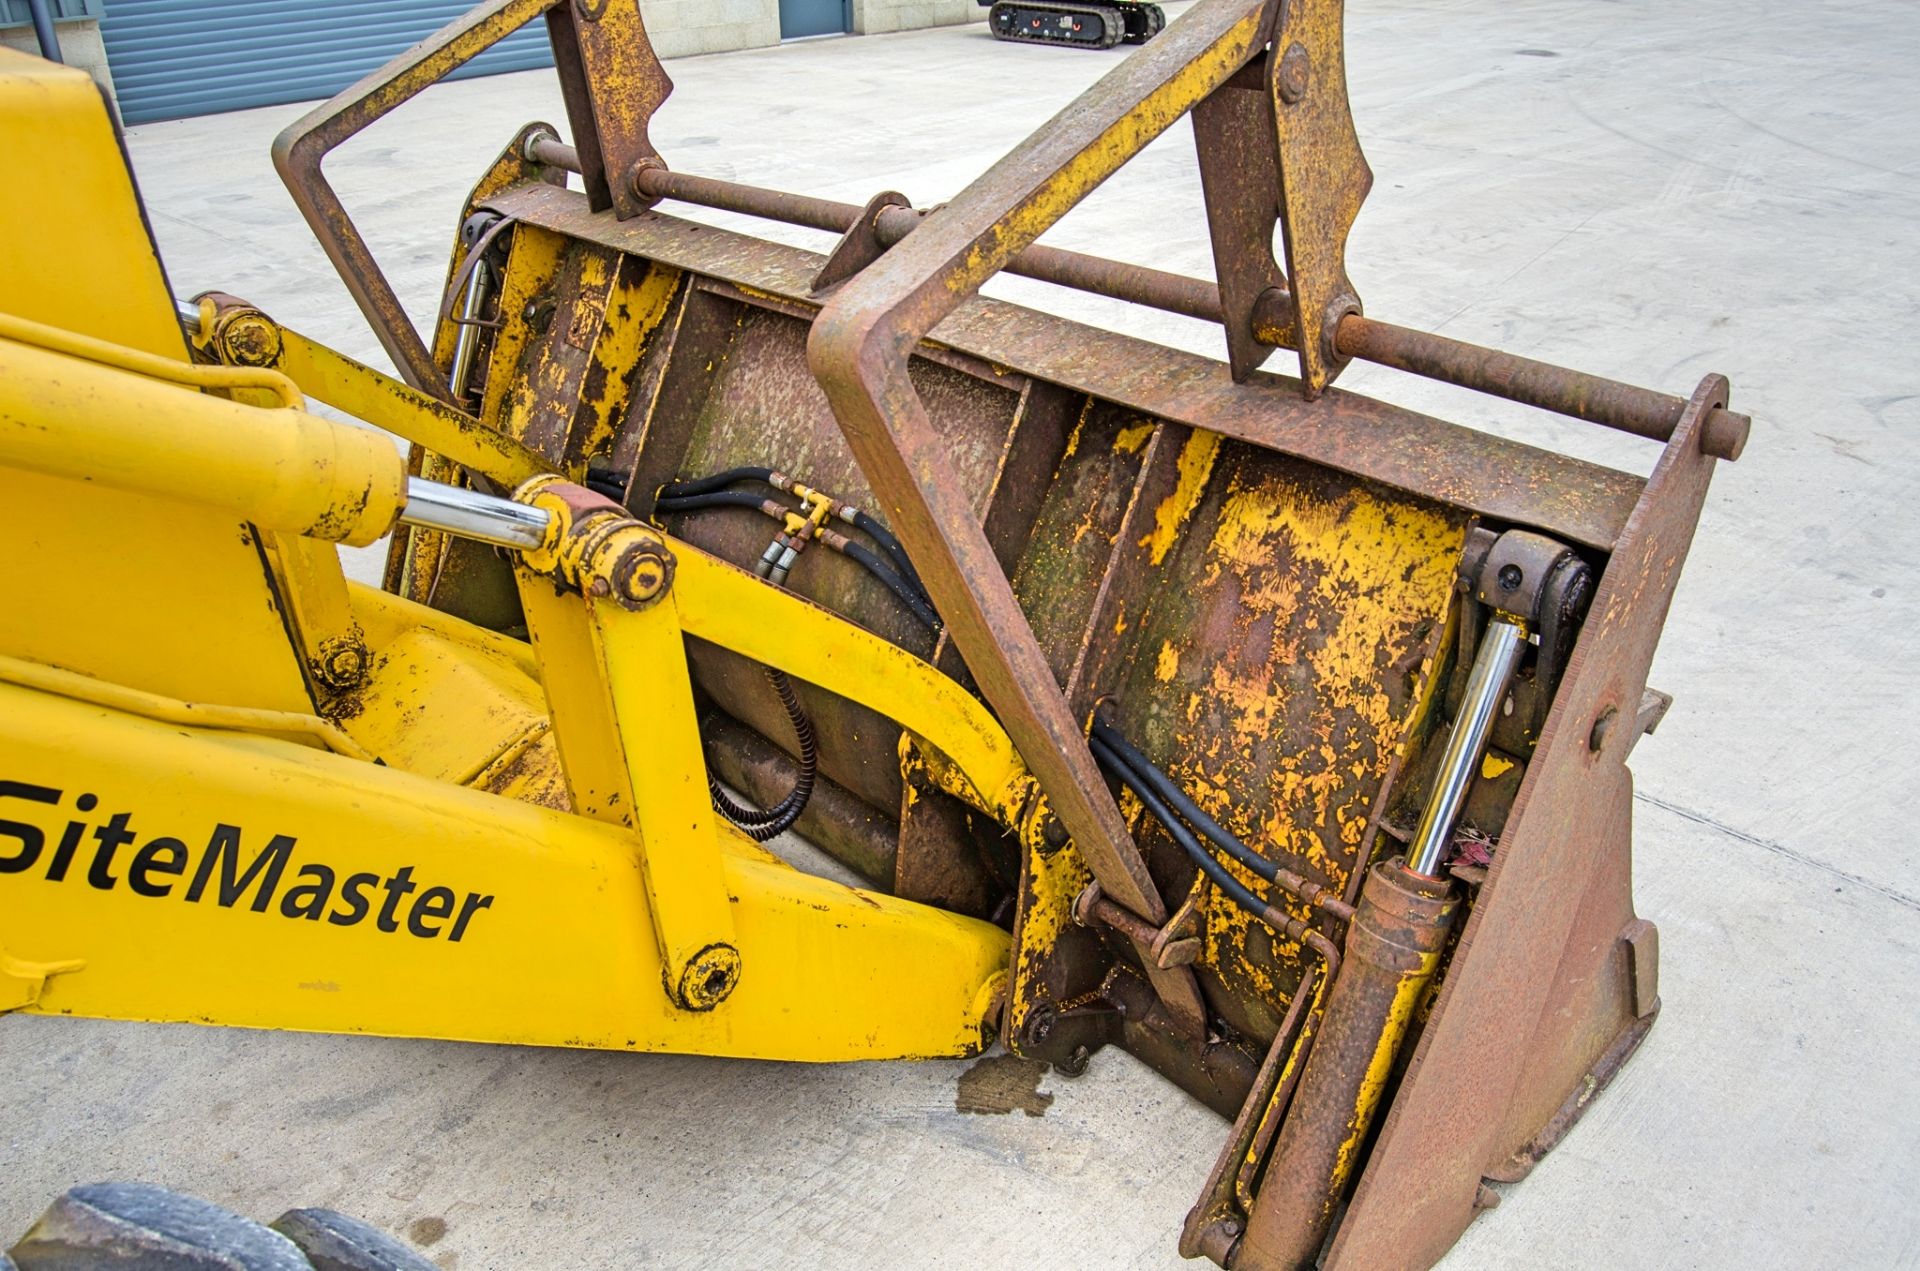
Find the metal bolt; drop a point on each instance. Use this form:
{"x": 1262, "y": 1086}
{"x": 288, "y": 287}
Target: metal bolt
{"x": 1040, "y": 1026}
{"x": 1510, "y": 577}
{"x": 648, "y": 576}
{"x": 342, "y": 663}
{"x": 599, "y": 587}
{"x": 710, "y": 977}
{"x": 1295, "y": 67}
{"x": 250, "y": 339}
{"x": 1053, "y": 835}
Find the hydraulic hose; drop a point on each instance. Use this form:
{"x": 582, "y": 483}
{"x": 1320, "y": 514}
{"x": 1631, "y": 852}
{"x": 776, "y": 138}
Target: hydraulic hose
{"x": 672, "y": 494}
{"x": 871, "y": 527}
{"x": 913, "y": 597}
{"x": 1133, "y": 760}
{"x": 714, "y": 499}
{"x": 915, "y": 601}
{"x": 762, "y": 824}
{"x": 718, "y": 481}
{"x": 1233, "y": 888}
{"x": 1230, "y": 887}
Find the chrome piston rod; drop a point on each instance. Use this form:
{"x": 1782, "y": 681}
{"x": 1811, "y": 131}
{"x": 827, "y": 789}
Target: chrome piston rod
{"x": 468, "y": 337}
{"x": 484, "y": 518}
{"x": 1493, "y": 666}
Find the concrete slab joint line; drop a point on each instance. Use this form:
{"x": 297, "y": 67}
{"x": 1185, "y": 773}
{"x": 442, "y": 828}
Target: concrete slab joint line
{"x": 1611, "y": 208}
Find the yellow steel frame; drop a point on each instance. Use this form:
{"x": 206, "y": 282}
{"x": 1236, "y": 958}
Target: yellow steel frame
{"x": 215, "y": 816}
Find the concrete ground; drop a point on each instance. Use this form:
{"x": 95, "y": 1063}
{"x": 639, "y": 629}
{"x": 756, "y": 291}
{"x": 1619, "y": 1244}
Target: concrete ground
{"x": 1640, "y": 189}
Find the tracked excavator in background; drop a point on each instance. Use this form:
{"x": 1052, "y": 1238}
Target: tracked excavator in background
{"x": 1099, "y": 24}
{"x": 1270, "y": 732}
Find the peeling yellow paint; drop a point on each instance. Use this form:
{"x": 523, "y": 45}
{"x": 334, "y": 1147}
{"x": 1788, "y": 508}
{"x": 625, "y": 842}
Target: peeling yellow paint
{"x": 1168, "y": 665}
{"x": 1406, "y": 996}
{"x": 1193, "y": 468}
{"x": 1296, "y": 723}
{"x": 1132, "y": 438}
{"x": 1493, "y": 765}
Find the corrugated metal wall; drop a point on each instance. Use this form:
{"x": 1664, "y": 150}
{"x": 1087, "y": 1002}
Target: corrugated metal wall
{"x": 172, "y": 58}
{"x": 16, "y": 12}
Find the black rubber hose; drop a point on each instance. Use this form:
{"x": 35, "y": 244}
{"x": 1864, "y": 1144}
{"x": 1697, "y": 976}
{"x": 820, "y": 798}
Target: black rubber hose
{"x": 711, "y": 491}
{"x": 1130, "y": 758}
{"x": 1230, "y": 887}
{"x": 871, "y": 527}
{"x": 761, "y": 824}
{"x": 912, "y": 599}
{"x": 608, "y": 484}
{"x": 717, "y": 499}
{"x": 718, "y": 481}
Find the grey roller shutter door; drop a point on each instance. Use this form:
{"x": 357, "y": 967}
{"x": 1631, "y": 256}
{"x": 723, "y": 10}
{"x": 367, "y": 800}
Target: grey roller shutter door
{"x": 172, "y": 58}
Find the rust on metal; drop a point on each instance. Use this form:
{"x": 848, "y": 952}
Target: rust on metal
{"x": 299, "y": 151}
{"x": 1323, "y": 177}
{"x": 1393, "y": 950}
{"x": 1232, "y": 154}
{"x": 612, "y": 84}
{"x": 1473, "y": 1096}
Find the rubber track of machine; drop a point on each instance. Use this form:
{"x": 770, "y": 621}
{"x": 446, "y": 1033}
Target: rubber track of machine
{"x": 1112, "y": 24}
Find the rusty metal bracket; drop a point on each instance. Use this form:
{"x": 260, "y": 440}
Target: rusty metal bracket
{"x": 1323, "y": 178}
{"x": 612, "y": 84}
{"x": 1233, "y": 133}
{"x": 862, "y": 244}
{"x": 299, "y": 151}
{"x": 1176, "y": 943}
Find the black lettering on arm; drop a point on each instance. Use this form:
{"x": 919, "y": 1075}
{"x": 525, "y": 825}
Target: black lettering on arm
{"x": 434, "y": 902}
{"x": 164, "y": 856}
{"x": 474, "y": 904}
{"x": 310, "y": 897}
{"x": 353, "y": 894}
{"x": 31, "y": 837}
{"x": 112, "y": 836}
{"x": 399, "y": 885}
{"x": 224, "y": 849}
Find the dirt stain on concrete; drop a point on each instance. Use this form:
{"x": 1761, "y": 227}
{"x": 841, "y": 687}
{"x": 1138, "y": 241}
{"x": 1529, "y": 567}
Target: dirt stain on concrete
{"x": 997, "y": 1084}
{"x": 426, "y": 1231}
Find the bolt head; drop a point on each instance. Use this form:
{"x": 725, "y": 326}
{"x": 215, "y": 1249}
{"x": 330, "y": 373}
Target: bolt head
{"x": 648, "y": 576}
{"x": 1295, "y": 69}
{"x": 709, "y": 978}
{"x": 249, "y": 339}
{"x": 342, "y": 663}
